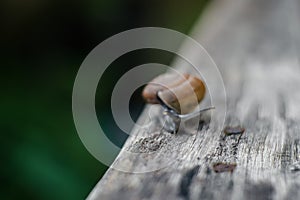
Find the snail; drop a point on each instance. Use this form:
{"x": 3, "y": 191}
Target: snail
{"x": 160, "y": 83}
{"x": 181, "y": 93}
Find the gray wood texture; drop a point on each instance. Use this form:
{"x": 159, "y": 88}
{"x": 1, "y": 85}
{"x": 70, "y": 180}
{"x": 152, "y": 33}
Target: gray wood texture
{"x": 256, "y": 45}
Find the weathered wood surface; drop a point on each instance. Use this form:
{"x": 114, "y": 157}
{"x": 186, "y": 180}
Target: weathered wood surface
{"x": 255, "y": 44}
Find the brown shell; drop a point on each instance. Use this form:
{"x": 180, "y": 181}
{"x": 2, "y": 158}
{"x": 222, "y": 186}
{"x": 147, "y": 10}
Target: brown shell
{"x": 160, "y": 83}
{"x": 183, "y": 93}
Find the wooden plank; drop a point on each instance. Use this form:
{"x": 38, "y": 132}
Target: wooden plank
{"x": 256, "y": 46}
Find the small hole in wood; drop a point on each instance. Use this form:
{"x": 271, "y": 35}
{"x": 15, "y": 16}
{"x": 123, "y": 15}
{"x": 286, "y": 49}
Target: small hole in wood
{"x": 237, "y": 130}
{"x": 224, "y": 167}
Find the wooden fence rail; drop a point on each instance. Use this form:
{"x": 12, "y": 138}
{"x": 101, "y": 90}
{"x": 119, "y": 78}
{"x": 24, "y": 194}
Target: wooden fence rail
{"x": 256, "y": 45}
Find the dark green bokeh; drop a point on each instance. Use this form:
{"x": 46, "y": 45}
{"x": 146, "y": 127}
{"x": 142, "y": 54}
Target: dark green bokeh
{"x": 42, "y": 46}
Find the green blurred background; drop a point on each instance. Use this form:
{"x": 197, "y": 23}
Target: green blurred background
{"x": 43, "y": 43}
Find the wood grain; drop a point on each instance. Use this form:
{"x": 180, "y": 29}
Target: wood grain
{"x": 255, "y": 44}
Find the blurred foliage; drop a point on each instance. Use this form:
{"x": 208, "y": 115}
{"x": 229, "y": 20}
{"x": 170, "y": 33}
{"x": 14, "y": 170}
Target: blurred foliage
{"x": 43, "y": 43}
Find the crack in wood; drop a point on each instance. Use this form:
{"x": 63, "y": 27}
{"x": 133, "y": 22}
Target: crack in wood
{"x": 259, "y": 191}
{"x": 186, "y": 181}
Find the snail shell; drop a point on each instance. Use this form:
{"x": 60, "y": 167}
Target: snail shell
{"x": 160, "y": 83}
{"x": 181, "y": 93}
